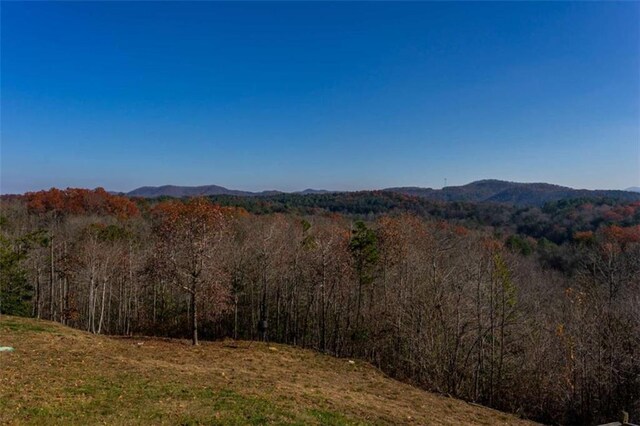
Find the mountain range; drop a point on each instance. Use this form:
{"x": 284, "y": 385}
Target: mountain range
{"x": 206, "y": 190}
{"x": 524, "y": 194}
{"x": 489, "y": 190}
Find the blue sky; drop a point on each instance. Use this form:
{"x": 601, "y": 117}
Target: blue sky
{"x": 340, "y": 96}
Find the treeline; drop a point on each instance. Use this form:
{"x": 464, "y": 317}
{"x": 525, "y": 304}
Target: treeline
{"x": 472, "y": 313}
{"x": 555, "y": 221}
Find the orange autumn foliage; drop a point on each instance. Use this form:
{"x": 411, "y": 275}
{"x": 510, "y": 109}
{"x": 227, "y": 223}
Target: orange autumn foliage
{"x": 76, "y": 201}
{"x": 193, "y": 216}
{"x": 583, "y": 236}
{"x": 622, "y": 235}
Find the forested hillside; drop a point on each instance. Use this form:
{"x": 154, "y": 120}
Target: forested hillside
{"x": 558, "y": 222}
{"x": 515, "y": 193}
{"x": 528, "y": 310}
{"x": 488, "y": 190}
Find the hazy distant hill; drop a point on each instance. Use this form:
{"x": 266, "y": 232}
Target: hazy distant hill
{"x": 191, "y": 191}
{"x": 313, "y": 191}
{"x": 497, "y": 191}
{"x": 207, "y": 190}
{"x": 633, "y": 189}
{"x": 525, "y": 194}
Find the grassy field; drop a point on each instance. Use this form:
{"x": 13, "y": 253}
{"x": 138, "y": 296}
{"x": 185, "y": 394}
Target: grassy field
{"x": 58, "y": 375}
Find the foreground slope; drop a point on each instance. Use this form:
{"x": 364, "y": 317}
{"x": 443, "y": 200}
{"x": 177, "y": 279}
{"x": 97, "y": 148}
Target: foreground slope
{"x": 58, "y": 375}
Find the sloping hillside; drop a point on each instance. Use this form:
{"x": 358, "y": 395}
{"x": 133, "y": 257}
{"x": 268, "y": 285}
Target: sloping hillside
{"x": 517, "y": 193}
{"x": 57, "y": 375}
{"x": 206, "y": 191}
{"x": 489, "y": 190}
{"x": 184, "y": 191}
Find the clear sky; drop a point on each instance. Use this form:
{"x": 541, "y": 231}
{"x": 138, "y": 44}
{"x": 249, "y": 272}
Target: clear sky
{"x": 338, "y": 96}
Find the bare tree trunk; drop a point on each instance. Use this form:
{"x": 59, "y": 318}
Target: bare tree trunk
{"x": 92, "y": 302}
{"x": 235, "y": 318}
{"x": 480, "y": 336}
{"x": 51, "y": 281}
{"x": 194, "y": 313}
{"x": 36, "y": 304}
{"x": 104, "y": 294}
{"x": 323, "y": 342}
{"x": 65, "y": 299}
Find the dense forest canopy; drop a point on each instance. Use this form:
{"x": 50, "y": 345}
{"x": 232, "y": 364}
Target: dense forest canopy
{"x": 556, "y": 221}
{"x": 534, "y": 310}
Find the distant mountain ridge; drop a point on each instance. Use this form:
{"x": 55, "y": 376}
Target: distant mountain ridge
{"x": 633, "y": 189}
{"x": 489, "y": 190}
{"x": 517, "y": 193}
{"x": 183, "y": 191}
{"x": 205, "y": 190}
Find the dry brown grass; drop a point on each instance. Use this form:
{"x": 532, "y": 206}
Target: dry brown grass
{"x": 62, "y": 376}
